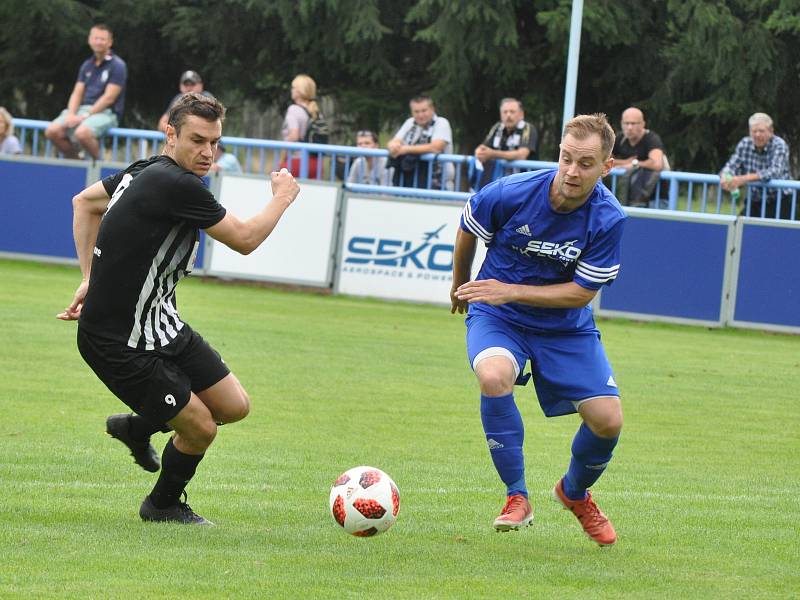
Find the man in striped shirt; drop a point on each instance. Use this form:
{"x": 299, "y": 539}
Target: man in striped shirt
{"x": 136, "y": 235}
{"x": 553, "y": 240}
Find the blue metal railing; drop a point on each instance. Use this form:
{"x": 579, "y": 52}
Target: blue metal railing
{"x": 684, "y": 191}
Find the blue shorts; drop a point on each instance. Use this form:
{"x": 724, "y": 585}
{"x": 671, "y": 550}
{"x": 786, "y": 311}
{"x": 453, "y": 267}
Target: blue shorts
{"x": 567, "y": 368}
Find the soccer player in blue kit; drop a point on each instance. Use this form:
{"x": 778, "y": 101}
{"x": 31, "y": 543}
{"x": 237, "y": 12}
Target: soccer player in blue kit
{"x": 553, "y": 240}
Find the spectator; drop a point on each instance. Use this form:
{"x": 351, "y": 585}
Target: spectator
{"x": 97, "y": 100}
{"x": 640, "y": 152}
{"x": 301, "y": 112}
{"x": 9, "y": 144}
{"x": 761, "y": 156}
{"x": 511, "y": 138}
{"x": 370, "y": 170}
{"x": 422, "y": 133}
{"x": 225, "y": 162}
{"x": 190, "y": 81}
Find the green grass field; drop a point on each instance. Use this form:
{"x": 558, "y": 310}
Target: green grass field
{"x": 703, "y": 488}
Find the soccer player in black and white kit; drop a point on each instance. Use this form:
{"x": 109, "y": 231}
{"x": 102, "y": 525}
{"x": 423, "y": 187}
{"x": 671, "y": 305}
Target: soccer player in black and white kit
{"x": 136, "y": 235}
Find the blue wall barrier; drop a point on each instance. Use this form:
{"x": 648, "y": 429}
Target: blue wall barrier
{"x": 36, "y": 206}
{"x": 671, "y": 267}
{"x": 679, "y": 267}
{"x": 767, "y": 278}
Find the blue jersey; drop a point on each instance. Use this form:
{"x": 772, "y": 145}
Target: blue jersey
{"x": 529, "y": 243}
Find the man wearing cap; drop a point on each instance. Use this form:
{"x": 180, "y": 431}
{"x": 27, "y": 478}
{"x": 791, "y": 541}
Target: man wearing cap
{"x": 97, "y": 99}
{"x": 190, "y": 81}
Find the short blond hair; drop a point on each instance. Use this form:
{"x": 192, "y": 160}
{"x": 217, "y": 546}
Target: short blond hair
{"x": 582, "y": 126}
{"x": 6, "y": 116}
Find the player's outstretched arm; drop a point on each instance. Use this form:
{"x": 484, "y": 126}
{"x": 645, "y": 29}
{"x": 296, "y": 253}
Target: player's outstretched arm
{"x": 88, "y": 208}
{"x": 558, "y": 295}
{"x": 246, "y": 236}
{"x": 463, "y": 255}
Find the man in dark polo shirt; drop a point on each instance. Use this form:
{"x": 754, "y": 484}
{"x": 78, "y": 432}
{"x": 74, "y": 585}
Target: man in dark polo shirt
{"x": 97, "y": 100}
{"x": 641, "y": 152}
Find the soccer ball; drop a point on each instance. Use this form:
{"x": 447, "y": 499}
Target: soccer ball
{"x": 364, "y": 501}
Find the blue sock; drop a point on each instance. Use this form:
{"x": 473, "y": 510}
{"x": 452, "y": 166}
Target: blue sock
{"x": 505, "y": 432}
{"x": 590, "y": 456}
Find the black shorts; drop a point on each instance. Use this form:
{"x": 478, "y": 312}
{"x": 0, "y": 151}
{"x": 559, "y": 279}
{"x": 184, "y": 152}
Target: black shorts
{"x": 155, "y": 384}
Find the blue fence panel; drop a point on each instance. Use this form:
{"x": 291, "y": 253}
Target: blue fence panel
{"x": 681, "y": 190}
{"x": 671, "y": 268}
{"x": 36, "y": 202}
{"x": 768, "y": 284}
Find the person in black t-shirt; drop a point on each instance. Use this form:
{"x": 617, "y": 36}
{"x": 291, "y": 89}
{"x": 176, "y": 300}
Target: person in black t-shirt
{"x": 641, "y": 152}
{"x": 136, "y": 235}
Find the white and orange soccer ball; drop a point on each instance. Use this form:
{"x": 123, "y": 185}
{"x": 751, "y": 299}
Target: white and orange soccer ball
{"x": 364, "y": 501}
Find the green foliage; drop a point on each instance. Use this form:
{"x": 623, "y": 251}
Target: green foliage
{"x": 41, "y": 48}
{"x": 698, "y": 68}
{"x": 486, "y": 36}
{"x": 702, "y": 488}
{"x": 737, "y": 65}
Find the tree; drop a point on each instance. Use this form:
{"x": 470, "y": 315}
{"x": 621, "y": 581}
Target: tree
{"x": 725, "y": 64}
{"x": 42, "y": 45}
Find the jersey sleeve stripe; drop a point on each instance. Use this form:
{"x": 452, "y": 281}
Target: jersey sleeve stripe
{"x": 595, "y": 273}
{"x": 595, "y": 278}
{"x": 473, "y": 225}
{"x": 597, "y": 270}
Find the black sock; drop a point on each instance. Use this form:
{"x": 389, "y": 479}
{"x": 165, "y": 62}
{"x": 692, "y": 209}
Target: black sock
{"x": 140, "y": 428}
{"x": 177, "y": 469}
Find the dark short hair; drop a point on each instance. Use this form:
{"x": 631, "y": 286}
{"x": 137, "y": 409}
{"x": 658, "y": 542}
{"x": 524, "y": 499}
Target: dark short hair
{"x": 582, "y": 126}
{"x": 102, "y": 27}
{"x": 199, "y": 105}
{"x": 367, "y": 132}
{"x": 504, "y": 100}
{"x": 422, "y": 98}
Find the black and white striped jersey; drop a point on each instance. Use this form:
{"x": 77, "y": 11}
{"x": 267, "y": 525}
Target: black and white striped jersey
{"x": 147, "y": 242}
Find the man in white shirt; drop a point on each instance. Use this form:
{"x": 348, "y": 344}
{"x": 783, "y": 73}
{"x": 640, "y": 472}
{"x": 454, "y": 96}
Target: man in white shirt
{"x": 424, "y": 132}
